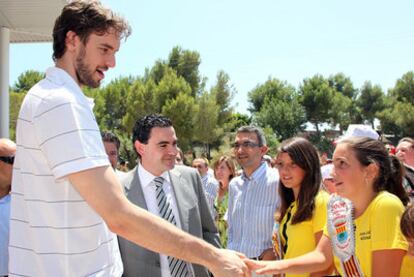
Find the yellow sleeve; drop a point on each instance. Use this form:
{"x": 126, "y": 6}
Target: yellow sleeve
{"x": 320, "y": 215}
{"x": 385, "y": 224}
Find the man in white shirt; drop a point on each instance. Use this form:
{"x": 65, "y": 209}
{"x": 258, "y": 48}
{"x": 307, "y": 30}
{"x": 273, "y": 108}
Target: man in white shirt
{"x": 7, "y": 151}
{"x": 66, "y": 199}
{"x": 209, "y": 183}
{"x": 184, "y": 204}
{"x": 253, "y": 197}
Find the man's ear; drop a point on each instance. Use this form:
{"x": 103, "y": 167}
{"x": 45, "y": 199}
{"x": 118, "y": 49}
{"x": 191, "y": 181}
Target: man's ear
{"x": 264, "y": 149}
{"x": 72, "y": 41}
{"x": 139, "y": 147}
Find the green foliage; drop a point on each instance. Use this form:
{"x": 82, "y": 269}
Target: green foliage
{"x": 271, "y": 140}
{"x": 317, "y": 97}
{"x": 169, "y": 87}
{"x": 370, "y": 101}
{"x": 223, "y": 93}
{"x": 341, "y": 111}
{"x": 330, "y": 100}
{"x": 322, "y": 144}
{"x": 404, "y": 89}
{"x": 276, "y": 105}
{"x": 342, "y": 84}
{"x": 16, "y": 99}
{"x": 267, "y": 91}
{"x": 186, "y": 63}
{"x": 181, "y": 111}
{"x": 110, "y": 105}
{"x": 238, "y": 120}
{"x": 285, "y": 118}
{"x": 175, "y": 88}
{"x": 205, "y": 121}
{"x": 140, "y": 102}
{"x": 27, "y": 79}
{"x": 398, "y": 116}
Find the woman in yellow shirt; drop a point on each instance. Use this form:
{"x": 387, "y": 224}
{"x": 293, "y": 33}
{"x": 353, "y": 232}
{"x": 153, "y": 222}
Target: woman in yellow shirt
{"x": 302, "y": 214}
{"x": 363, "y": 173}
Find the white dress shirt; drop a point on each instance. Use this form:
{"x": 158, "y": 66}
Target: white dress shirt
{"x": 148, "y": 187}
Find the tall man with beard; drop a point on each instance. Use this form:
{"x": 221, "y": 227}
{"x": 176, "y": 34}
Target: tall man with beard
{"x": 66, "y": 199}
{"x": 253, "y": 197}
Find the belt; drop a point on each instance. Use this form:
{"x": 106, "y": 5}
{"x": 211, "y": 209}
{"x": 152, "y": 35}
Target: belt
{"x": 258, "y": 258}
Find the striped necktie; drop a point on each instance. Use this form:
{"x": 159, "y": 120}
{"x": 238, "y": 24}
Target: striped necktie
{"x": 178, "y": 268}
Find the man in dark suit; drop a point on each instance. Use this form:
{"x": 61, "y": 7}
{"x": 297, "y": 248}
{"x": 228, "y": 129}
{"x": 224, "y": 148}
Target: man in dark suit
{"x": 174, "y": 193}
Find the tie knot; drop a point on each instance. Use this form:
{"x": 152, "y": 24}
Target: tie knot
{"x": 158, "y": 181}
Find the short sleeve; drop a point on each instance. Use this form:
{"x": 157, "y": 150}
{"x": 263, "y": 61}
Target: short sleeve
{"x": 385, "y": 224}
{"x": 68, "y": 135}
{"x": 319, "y": 218}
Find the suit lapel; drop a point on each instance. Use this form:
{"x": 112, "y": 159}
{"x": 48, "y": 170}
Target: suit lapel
{"x": 133, "y": 190}
{"x": 180, "y": 188}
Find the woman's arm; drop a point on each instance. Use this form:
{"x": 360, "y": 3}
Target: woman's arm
{"x": 319, "y": 259}
{"x": 331, "y": 268}
{"x": 387, "y": 262}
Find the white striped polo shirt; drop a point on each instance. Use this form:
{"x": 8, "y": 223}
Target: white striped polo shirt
{"x": 53, "y": 231}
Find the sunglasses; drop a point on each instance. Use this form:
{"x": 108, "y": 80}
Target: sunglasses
{"x": 7, "y": 160}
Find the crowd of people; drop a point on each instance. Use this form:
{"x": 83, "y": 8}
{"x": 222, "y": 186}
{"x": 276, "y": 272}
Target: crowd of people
{"x": 66, "y": 208}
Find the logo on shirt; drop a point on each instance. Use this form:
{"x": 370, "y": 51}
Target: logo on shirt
{"x": 365, "y": 235}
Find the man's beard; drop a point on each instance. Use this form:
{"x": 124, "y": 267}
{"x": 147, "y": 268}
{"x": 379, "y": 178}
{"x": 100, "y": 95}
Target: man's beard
{"x": 83, "y": 74}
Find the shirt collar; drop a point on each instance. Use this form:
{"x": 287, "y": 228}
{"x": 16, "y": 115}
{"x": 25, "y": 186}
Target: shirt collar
{"x": 61, "y": 77}
{"x": 256, "y": 174}
{"x": 205, "y": 177}
{"x": 146, "y": 177}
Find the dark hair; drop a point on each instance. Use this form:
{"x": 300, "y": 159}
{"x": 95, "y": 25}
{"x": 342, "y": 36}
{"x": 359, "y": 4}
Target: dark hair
{"x": 261, "y": 139}
{"x": 229, "y": 163}
{"x": 305, "y": 155}
{"x": 407, "y": 222}
{"x": 111, "y": 137}
{"x": 390, "y": 173}
{"x": 142, "y": 128}
{"x": 84, "y": 18}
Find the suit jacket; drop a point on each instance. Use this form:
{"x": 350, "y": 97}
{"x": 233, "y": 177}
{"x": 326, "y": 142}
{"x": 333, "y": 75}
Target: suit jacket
{"x": 195, "y": 218}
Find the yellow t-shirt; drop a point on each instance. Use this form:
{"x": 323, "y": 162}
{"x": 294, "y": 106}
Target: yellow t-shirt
{"x": 301, "y": 236}
{"x": 378, "y": 228}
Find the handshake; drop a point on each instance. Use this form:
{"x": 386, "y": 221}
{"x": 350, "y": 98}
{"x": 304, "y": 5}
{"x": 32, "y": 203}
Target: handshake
{"x": 231, "y": 263}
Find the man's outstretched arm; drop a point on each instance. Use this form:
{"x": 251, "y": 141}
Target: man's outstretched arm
{"x": 102, "y": 190}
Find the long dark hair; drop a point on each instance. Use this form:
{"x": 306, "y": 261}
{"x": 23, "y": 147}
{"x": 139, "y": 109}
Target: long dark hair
{"x": 390, "y": 173}
{"x": 303, "y": 154}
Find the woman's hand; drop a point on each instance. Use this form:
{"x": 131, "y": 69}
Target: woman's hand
{"x": 264, "y": 267}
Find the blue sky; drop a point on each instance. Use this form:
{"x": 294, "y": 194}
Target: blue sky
{"x": 255, "y": 40}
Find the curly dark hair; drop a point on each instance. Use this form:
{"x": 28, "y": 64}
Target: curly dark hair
{"x": 142, "y": 128}
{"x": 84, "y": 18}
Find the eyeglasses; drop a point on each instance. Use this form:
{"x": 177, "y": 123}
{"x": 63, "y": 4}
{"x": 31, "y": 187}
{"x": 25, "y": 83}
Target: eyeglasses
{"x": 245, "y": 144}
{"x": 7, "y": 160}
